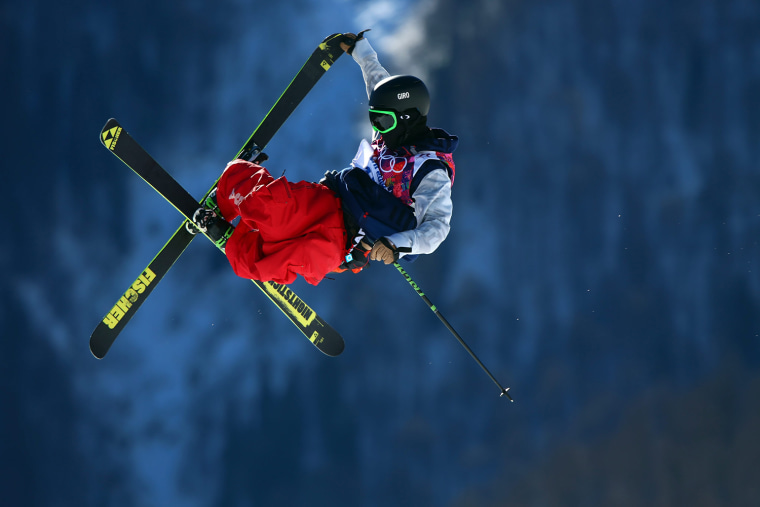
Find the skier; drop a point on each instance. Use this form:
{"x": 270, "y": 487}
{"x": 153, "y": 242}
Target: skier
{"x": 394, "y": 200}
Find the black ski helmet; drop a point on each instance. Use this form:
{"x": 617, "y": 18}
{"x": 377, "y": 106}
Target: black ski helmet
{"x": 400, "y": 93}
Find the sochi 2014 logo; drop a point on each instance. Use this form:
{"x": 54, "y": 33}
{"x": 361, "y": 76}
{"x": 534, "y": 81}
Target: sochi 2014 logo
{"x": 389, "y": 163}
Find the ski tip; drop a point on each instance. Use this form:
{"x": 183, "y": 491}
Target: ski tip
{"x": 109, "y": 134}
{"x": 330, "y": 49}
{"x": 112, "y": 122}
{"x": 332, "y": 36}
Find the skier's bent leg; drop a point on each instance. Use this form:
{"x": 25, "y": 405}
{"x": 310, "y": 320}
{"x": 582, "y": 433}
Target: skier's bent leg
{"x": 238, "y": 182}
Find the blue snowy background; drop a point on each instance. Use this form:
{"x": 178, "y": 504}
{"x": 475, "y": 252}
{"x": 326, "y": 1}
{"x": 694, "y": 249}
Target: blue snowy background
{"x": 603, "y": 260}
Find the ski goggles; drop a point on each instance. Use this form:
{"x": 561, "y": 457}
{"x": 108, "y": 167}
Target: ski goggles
{"x": 382, "y": 121}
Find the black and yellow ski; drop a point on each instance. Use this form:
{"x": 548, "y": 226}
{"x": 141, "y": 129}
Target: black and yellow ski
{"x": 121, "y": 144}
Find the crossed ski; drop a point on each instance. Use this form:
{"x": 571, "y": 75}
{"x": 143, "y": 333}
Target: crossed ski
{"x": 121, "y": 144}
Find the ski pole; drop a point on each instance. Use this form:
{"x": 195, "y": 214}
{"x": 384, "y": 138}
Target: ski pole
{"x": 504, "y": 391}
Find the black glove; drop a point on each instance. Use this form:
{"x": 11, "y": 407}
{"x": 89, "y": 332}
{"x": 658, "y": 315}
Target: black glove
{"x": 350, "y": 39}
{"x": 329, "y": 178}
{"x": 359, "y": 259}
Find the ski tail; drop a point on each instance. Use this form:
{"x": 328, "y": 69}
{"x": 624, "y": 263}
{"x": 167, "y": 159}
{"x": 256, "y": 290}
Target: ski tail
{"x": 126, "y": 306}
{"x": 321, "y": 334}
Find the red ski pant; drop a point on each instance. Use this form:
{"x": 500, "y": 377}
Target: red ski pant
{"x": 285, "y": 228}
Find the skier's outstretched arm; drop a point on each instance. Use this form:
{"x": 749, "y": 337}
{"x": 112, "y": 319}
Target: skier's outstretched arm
{"x": 366, "y": 57}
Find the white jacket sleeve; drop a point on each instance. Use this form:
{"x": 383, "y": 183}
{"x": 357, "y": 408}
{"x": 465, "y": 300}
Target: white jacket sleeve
{"x": 433, "y": 209}
{"x": 432, "y": 199}
{"x": 372, "y": 71}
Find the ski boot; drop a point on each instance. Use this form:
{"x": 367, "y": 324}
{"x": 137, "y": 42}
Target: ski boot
{"x": 210, "y": 202}
{"x": 208, "y": 220}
